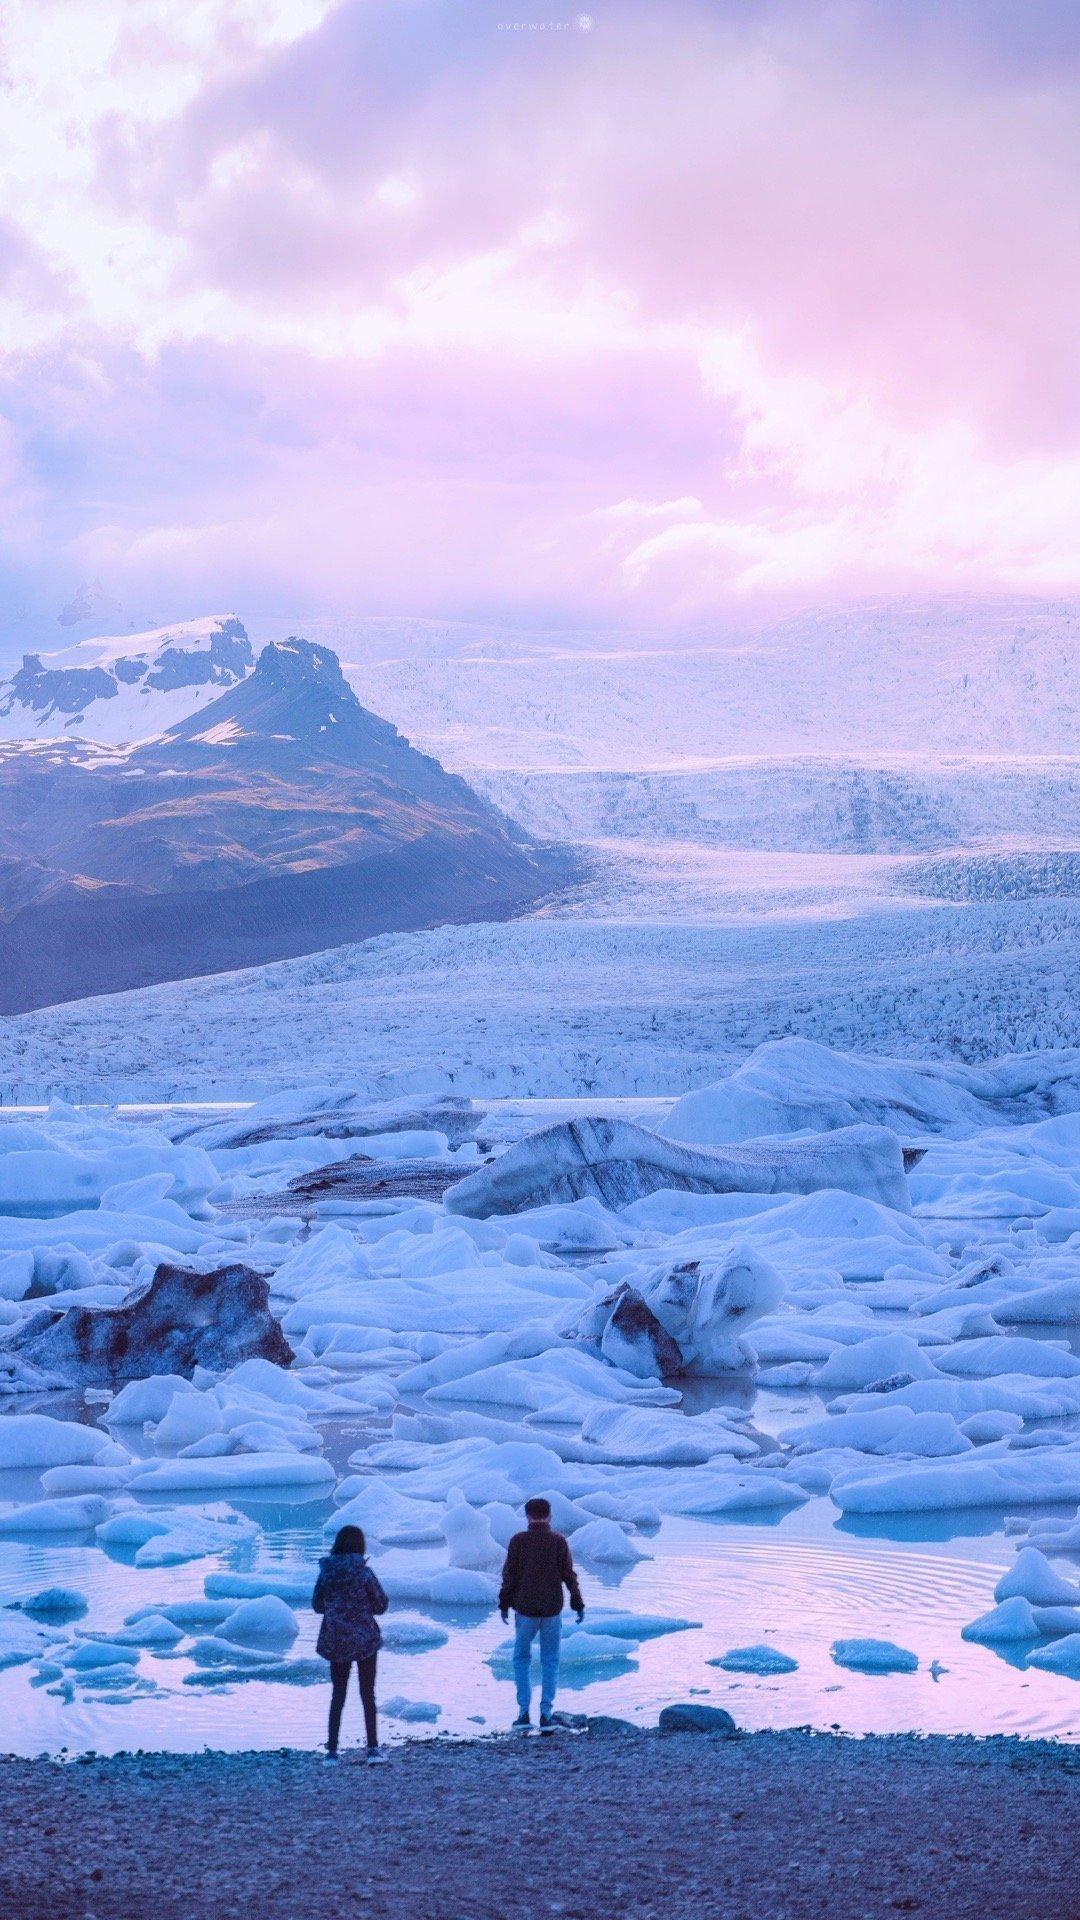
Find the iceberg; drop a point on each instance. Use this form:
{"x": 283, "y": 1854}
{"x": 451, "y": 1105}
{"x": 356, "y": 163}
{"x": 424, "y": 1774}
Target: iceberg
{"x": 617, "y": 1162}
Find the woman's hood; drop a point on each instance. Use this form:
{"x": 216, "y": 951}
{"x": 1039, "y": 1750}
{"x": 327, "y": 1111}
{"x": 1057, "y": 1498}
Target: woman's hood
{"x": 342, "y": 1562}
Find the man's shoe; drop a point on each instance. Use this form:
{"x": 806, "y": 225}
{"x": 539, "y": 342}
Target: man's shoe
{"x": 522, "y": 1724}
{"x": 330, "y": 1754}
{"x": 548, "y": 1723}
{"x": 376, "y": 1757}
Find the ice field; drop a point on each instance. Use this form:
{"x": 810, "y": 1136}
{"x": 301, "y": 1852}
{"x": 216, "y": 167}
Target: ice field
{"x": 796, "y": 1356}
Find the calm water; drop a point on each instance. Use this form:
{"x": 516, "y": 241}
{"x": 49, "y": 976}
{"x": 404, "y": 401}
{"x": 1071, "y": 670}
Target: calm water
{"x": 797, "y": 1584}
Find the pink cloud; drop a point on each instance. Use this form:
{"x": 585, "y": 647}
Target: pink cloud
{"x": 417, "y": 300}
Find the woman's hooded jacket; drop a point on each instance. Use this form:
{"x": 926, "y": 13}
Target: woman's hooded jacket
{"x": 348, "y": 1595}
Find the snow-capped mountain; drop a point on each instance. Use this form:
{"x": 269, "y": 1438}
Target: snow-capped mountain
{"x": 126, "y": 687}
{"x": 279, "y": 819}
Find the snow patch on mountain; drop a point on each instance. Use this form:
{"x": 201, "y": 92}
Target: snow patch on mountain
{"x": 126, "y": 687}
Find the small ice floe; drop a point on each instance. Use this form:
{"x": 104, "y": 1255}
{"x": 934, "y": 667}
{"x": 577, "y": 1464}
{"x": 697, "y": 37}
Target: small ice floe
{"x": 873, "y": 1656}
{"x": 441, "y": 1586}
{"x": 88, "y": 1654}
{"x": 166, "y": 1537}
{"x": 606, "y": 1543}
{"x": 468, "y": 1535}
{"x": 1033, "y": 1578}
{"x": 1006, "y": 1624}
{"x": 298, "y": 1672}
{"x": 294, "y": 1585}
{"x": 244, "y": 1472}
{"x": 1062, "y": 1657}
{"x": 398, "y": 1708}
{"x": 759, "y": 1659}
{"x": 393, "y": 1518}
{"x": 55, "y": 1603}
{"x": 409, "y": 1633}
{"x": 264, "y": 1624}
{"x": 37, "y": 1440}
{"x": 635, "y": 1626}
{"x": 152, "y": 1631}
{"x": 80, "y": 1513}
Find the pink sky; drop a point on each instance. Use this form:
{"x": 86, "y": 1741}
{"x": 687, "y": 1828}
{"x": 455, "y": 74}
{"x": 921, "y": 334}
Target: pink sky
{"x": 469, "y": 310}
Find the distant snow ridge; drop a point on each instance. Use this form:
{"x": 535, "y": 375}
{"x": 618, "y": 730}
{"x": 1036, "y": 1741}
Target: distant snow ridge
{"x": 127, "y": 687}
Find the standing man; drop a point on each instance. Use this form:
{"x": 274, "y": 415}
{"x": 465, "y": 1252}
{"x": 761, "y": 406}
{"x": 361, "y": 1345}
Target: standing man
{"x": 538, "y": 1567}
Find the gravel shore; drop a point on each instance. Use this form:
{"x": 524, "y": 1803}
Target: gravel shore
{"x": 610, "y": 1822}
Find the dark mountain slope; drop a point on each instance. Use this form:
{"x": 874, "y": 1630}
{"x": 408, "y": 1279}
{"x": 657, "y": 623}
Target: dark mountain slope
{"x": 279, "y": 820}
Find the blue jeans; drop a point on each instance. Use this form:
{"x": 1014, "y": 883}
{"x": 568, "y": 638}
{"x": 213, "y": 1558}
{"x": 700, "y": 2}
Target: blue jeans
{"x": 525, "y": 1632}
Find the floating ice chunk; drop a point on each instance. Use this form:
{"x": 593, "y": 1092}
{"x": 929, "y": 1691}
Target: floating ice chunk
{"x": 80, "y": 1479}
{"x": 1054, "y": 1620}
{"x": 1058, "y": 1305}
{"x": 633, "y": 1626}
{"x": 37, "y": 1440}
{"x": 873, "y": 1656}
{"x": 243, "y": 1471}
{"x": 441, "y": 1586}
{"x": 973, "y": 1481}
{"x": 80, "y": 1513}
{"x": 386, "y": 1515}
{"x": 266, "y": 1623}
{"x": 1012, "y": 1393}
{"x": 293, "y": 1584}
{"x": 166, "y": 1537}
{"x": 1056, "y": 1535}
{"x": 1010, "y": 1621}
{"x": 710, "y": 1492}
{"x": 1005, "y": 1353}
{"x": 99, "y": 1653}
{"x": 758, "y": 1659}
{"x": 628, "y": 1436}
{"x": 631, "y": 1509}
{"x": 616, "y": 1162}
{"x": 1063, "y": 1657}
{"x": 153, "y": 1630}
{"x": 214, "y": 1447}
{"x": 1031, "y": 1577}
{"x": 984, "y": 1428}
{"x": 408, "y": 1633}
{"x": 191, "y": 1417}
{"x": 16, "y": 1275}
{"x": 398, "y": 1708}
{"x": 706, "y": 1305}
{"x": 883, "y": 1430}
{"x": 605, "y": 1542}
{"x": 55, "y": 1603}
{"x": 793, "y": 1084}
{"x": 296, "y": 1672}
{"x": 146, "y": 1400}
{"x": 888, "y": 1356}
{"x": 468, "y": 1534}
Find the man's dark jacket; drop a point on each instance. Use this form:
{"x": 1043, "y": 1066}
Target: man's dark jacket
{"x": 538, "y": 1567}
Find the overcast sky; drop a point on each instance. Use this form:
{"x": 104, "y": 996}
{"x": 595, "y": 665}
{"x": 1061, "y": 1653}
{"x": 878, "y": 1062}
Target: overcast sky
{"x": 479, "y": 310}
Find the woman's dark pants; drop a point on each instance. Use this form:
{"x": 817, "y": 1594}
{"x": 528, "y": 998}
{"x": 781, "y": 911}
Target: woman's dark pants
{"x": 339, "y": 1678}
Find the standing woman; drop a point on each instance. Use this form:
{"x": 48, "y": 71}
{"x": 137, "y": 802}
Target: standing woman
{"x": 348, "y": 1596}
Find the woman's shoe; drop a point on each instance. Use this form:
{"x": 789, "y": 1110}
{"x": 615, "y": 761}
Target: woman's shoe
{"x": 331, "y": 1753}
{"x": 376, "y": 1757}
{"x": 522, "y": 1724}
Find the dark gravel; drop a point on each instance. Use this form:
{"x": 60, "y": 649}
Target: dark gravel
{"x": 612, "y": 1822}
